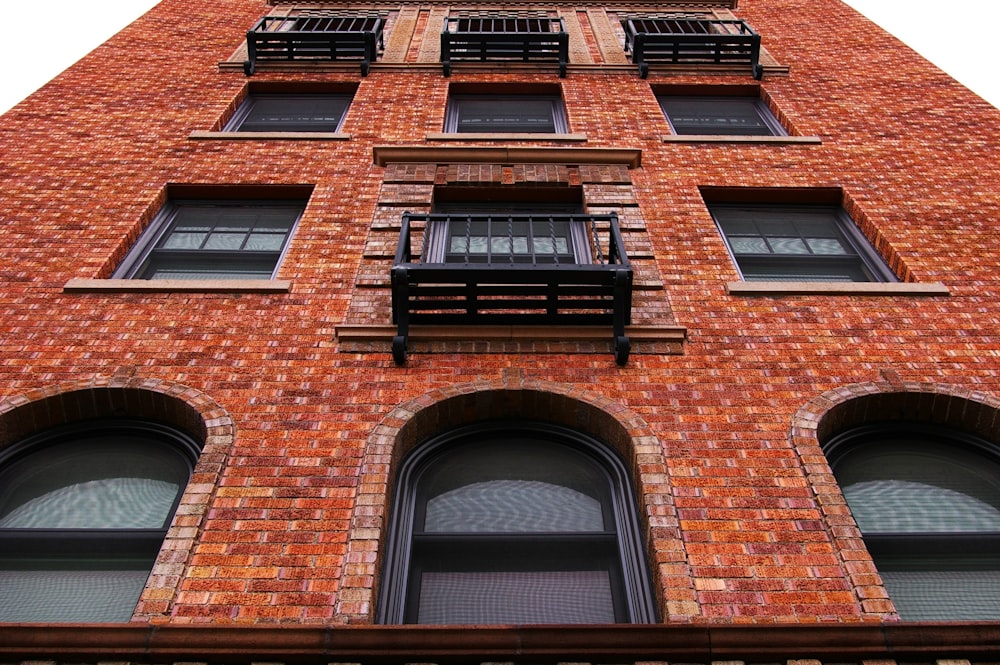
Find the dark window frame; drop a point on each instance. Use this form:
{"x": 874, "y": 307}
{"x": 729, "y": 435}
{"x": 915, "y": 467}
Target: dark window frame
{"x": 504, "y": 216}
{"x": 925, "y": 551}
{"x": 453, "y": 114}
{"x": 90, "y": 548}
{"x": 862, "y": 264}
{"x": 148, "y": 253}
{"x": 622, "y": 546}
{"x": 767, "y": 119}
{"x": 243, "y": 119}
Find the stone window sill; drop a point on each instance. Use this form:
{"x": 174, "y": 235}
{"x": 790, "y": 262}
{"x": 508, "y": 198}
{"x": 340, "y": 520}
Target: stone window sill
{"x": 270, "y": 136}
{"x": 768, "y": 140}
{"x": 81, "y": 285}
{"x": 505, "y": 136}
{"x": 838, "y": 288}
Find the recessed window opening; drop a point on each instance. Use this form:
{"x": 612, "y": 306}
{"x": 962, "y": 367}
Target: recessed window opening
{"x": 508, "y": 231}
{"x": 287, "y": 112}
{"x": 195, "y": 238}
{"x": 505, "y": 113}
{"x": 798, "y": 243}
{"x": 719, "y": 116}
{"x": 84, "y": 510}
{"x": 507, "y": 523}
{"x": 927, "y": 500}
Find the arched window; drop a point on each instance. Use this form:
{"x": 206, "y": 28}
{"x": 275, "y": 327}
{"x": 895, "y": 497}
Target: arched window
{"x": 83, "y": 513}
{"x": 514, "y": 524}
{"x": 927, "y": 500}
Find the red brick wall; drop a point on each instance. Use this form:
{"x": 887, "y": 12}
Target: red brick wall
{"x": 738, "y": 527}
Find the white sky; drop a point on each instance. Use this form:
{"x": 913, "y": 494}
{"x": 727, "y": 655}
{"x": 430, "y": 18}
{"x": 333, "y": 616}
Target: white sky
{"x": 958, "y": 36}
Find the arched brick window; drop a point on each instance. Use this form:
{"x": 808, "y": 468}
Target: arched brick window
{"x": 84, "y": 510}
{"x": 513, "y": 522}
{"x": 927, "y": 501}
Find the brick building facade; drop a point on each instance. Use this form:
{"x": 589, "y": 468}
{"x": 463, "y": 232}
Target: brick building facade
{"x": 775, "y": 275}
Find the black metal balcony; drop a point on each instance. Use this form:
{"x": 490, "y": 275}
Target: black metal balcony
{"x": 315, "y": 36}
{"x": 681, "y": 40}
{"x": 508, "y": 38}
{"x": 510, "y": 276}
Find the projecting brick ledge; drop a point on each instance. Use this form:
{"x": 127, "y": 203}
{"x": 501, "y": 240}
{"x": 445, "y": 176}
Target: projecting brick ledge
{"x": 238, "y": 645}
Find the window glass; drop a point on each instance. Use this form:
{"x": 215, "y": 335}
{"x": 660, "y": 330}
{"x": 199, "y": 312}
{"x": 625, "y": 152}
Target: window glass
{"x": 108, "y": 482}
{"x": 194, "y": 240}
{"x": 83, "y": 513}
{"x": 490, "y": 489}
{"x": 273, "y": 112}
{"x": 732, "y": 116}
{"x": 505, "y": 114}
{"x": 791, "y": 243}
{"x": 915, "y": 486}
{"x": 514, "y": 525}
{"x": 524, "y": 238}
{"x": 927, "y": 501}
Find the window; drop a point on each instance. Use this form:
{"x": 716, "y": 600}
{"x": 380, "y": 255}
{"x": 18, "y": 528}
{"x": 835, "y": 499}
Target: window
{"x": 798, "y": 243}
{"x": 535, "y": 233}
{"x": 193, "y": 239}
{"x": 731, "y": 116}
{"x": 533, "y": 114}
{"x": 83, "y": 514}
{"x": 272, "y": 112}
{"x": 927, "y": 500}
{"x": 514, "y": 524}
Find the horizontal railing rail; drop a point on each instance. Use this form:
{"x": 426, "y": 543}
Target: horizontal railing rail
{"x": 435, "y": 285}
{"x": 315, "y": 37}
{"x": 508, "y": 38}
{"x": 684, "y": 40}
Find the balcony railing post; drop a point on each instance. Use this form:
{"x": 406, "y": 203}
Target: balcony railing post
{"x": 400, "y": 283}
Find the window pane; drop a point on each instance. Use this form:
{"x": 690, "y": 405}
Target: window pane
{"x": 208, "y": 271}
{"x": 574, "y": 596}
{"x": 70, "y": 591}
{"x": 755, "y": 245}
{"x": 294, "y": 113}
{"x": 716, "y": 116}
{"x": 506, "y": 115}
{"x": 113, "y": 482}
{"x": 957, "y": 595}
{"x": 265, "y": 242}
{"x": 184, "y": 240}
{"x": 513, "y": 506}
{"x": 908, "y": 486}
{"x": 508, "y": 487}
{"x": 828, "y": 246}
{"x": 787, "y": 245}
{"x": 230, "y": 241}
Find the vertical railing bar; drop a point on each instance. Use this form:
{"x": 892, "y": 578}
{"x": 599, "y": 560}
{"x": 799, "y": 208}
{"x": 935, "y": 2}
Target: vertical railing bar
{"x": 510, "y": 238}
{"x": 468, "y": 239}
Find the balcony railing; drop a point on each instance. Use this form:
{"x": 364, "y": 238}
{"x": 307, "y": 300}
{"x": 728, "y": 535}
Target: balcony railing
{"x": 507, "y": 38}
{"x": 685, "y": 40}
{"x": 315, "y": 37}
{"x": 507, "y": 282}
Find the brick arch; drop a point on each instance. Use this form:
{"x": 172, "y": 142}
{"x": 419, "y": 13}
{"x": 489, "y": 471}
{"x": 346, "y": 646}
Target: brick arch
{"x": 167, "y": 402}
{"x": 606, "y": 420}
{"x": 856, "y": 404}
